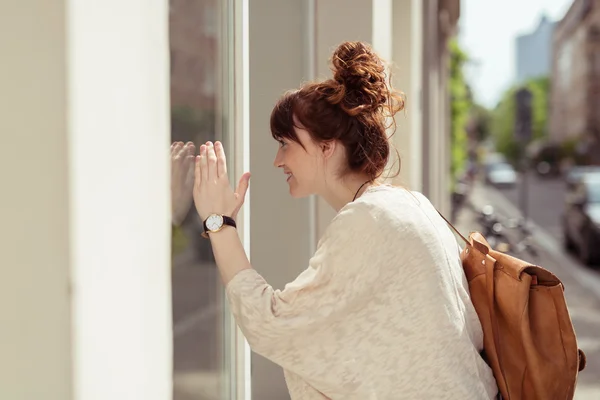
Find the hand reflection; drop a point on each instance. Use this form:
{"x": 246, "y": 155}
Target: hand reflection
{"x": 182, "y": 179}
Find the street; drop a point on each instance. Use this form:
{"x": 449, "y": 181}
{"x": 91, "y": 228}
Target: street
{"x": 582, "y": 283}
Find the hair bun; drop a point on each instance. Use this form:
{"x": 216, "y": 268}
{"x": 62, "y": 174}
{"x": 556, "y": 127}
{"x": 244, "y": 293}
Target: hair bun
{"x": 362, "y": 75}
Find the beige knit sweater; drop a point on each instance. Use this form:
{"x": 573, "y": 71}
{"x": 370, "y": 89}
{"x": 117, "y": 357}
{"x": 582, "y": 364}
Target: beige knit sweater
{"x": 382, "y": 312}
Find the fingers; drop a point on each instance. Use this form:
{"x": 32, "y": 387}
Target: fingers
{"x": 179, "y": 150}
{"x": 175, "y": 148}
{"x": 243, "y": 187}
{"x": 197, "y": 171}
{"x": 221, "y": 160}
{"x": 204, "y": 163}
{"x": 188, "y": 154}
{"x": 180, "y": 155}
{"x": 211, "y": 158}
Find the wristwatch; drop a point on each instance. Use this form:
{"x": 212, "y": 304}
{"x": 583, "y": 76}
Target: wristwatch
{"x": 215, "y": 222}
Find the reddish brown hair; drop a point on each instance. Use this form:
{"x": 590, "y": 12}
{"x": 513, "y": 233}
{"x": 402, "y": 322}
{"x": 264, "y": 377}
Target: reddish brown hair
{"x": 352, "y": 108}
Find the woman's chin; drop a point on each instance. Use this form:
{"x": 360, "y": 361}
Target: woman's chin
{"x": 294, "y": 193}
{"x": 298, "y": 193}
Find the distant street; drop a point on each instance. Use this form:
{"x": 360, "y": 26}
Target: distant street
{"x": 546, "y": 202}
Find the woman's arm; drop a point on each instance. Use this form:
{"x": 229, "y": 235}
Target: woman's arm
{"x": 229, "y": 253}
{"x": 213, "y": 194}
{"x": 283, "y": 325}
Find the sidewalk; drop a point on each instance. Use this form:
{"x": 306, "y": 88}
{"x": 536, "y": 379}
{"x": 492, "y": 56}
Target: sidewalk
{"x": 582, "y": 287}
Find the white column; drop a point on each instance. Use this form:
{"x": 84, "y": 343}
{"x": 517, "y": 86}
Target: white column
{"x": 118, "y": 116}
{"x": 435, "y": 113}
{"x": 407, "y": 74}
{"x": 86, "y": 217}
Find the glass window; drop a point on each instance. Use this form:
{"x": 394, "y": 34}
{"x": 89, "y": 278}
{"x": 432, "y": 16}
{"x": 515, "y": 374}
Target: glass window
{"x": 201, "y": 76}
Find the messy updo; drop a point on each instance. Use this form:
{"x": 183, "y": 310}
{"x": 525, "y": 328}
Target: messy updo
{"x": 352, "y": 107}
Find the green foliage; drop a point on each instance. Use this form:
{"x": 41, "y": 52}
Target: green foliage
{"x": 460, "y": 104}
{"x": 569, "y": 150}
{"x": 481, "y": 118}
{"x": 503, "y": 117}
{"x": 178, "y": 240}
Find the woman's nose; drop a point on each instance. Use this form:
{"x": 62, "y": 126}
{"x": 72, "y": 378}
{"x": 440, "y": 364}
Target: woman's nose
{"x": 277, "y": 163}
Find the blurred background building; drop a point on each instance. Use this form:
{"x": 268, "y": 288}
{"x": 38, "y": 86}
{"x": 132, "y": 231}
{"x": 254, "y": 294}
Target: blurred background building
{"x": 575, "y": 95}
{"x": 534, "y": 51}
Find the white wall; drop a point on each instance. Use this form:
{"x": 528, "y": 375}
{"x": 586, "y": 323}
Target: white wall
{"x": 85, "y": 217}
{"x": 35, "y": 345}
{"x": 279, "y": 225}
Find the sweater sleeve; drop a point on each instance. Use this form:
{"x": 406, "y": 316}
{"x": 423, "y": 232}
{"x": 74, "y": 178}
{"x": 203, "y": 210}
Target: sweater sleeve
{"x": 284, "y": 326}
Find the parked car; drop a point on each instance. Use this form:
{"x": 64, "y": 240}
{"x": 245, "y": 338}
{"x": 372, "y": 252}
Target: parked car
{"x": 500, "y": 174}
{"x": 575, "y": 173}
{"x": 581, "y": 220}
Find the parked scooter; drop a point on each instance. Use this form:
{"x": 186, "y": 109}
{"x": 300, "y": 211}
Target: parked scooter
{"x": 508, "y": 235}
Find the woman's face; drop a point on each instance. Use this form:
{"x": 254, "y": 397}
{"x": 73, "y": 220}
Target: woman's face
{"x": 303, "y": 166}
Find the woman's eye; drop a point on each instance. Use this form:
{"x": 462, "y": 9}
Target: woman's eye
{"x": 281, "y": 143}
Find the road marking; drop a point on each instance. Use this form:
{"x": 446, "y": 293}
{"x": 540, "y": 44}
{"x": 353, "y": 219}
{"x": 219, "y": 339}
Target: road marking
{"x": 582, "y": 275}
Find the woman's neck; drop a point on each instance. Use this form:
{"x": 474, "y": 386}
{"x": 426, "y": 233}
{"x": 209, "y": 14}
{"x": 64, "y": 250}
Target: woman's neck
{"x": 342, "y": 192}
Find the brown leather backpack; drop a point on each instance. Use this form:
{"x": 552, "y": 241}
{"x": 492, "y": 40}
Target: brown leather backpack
{"x": 529, "y": 340}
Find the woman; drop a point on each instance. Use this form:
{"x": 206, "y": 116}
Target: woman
{"x": 383, "y": 310}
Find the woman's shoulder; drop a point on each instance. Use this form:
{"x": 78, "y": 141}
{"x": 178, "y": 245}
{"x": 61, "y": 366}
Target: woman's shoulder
{"x": 393, "y": 200}
{"x": 399, "y": 211}
{"x": 382, "y": 208}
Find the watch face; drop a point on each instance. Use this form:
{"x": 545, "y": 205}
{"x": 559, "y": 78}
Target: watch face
{"x": 214, "y": 222}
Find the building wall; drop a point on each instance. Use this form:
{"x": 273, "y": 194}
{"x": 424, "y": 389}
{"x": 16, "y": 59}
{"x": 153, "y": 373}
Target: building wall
{"x": 337, "y": 22}
{"x": 279, "y": 225}
{"x": 34, "y": 210}
{"x": 91, "y": 236}
{"x": 576, "y": 77}
{"x": 85, "y": 288}
{"x": 534, "y": 52}
{"x": 439, "y": 22}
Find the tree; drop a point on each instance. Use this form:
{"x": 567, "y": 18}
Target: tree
{"x": 503, "y": 117}
{"x": 460, "y": 104}
{"x": 481, "y": 119}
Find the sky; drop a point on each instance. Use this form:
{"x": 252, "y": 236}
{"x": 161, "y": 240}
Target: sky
{"x": 487, "y": 32}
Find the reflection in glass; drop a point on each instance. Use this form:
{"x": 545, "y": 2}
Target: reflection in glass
{"x": 197, "y": 115}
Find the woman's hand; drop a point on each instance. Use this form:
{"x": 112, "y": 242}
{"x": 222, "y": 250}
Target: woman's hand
{"x": 182, "y": 180}
{"x": 212, "y": 191}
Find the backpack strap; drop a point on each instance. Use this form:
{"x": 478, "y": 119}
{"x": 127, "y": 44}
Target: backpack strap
{"x": 454, "y": 229}
{"x": 489, "y": 276}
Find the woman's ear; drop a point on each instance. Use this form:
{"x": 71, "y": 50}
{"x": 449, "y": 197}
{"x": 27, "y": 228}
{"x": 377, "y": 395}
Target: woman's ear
{"x": 328, "y": 148}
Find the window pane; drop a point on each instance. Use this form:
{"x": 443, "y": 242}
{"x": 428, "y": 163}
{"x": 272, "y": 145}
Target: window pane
{"x": 200, "y": 73}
